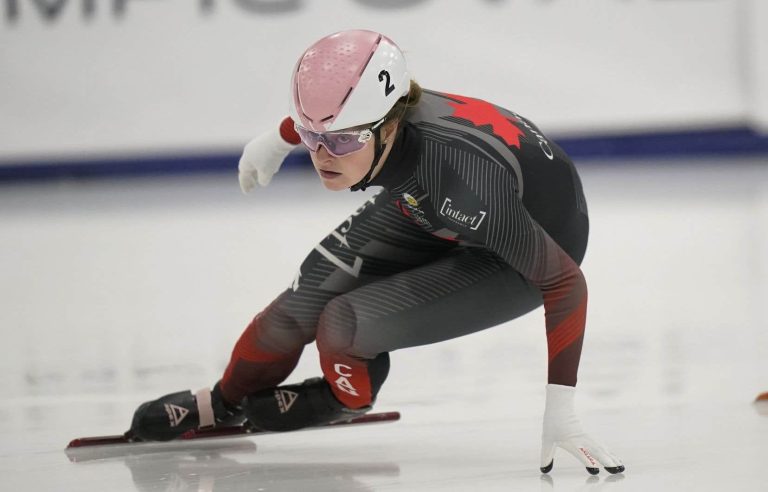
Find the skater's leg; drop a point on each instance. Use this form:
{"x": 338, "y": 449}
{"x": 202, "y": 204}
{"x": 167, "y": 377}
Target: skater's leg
{"x": 266, "y": 353}
{"x": 375, "y": 242}
{"x": 263, "y": 357}
{"x": 467, "y": 291}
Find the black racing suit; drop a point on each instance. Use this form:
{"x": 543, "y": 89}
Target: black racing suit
{"x": 482, "y": 218}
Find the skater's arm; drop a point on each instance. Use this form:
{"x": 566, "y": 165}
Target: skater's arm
{"x": 505, "y": 227}
{"x": 525, "y": 245}
{"x": 263, "y": 156}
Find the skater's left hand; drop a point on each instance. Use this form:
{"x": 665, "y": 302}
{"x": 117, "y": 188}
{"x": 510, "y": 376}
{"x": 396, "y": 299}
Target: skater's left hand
{"x": 562, "y": 428}
{"x": 262, "y": 158}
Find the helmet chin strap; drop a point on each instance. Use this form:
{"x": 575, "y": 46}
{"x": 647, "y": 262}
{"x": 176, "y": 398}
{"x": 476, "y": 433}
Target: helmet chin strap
{"x": 378, "y": 152}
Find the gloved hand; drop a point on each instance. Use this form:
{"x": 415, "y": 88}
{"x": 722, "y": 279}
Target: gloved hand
{"x": 262, "y": 158}
{"x": 562, "y": 428}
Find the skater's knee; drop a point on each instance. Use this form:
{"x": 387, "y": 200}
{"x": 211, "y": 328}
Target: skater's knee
{"x": 337, "y": 327}
{"x": 275, "y": 333}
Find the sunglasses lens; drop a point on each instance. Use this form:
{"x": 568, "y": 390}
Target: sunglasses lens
{"x": 310, "y": 139}
{"x": 342, "y": 143}
{"x": 337, "y": 144}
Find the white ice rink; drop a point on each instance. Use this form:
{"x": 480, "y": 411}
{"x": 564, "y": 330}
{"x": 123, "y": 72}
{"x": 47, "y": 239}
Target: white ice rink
{"x": 116, "y": 292}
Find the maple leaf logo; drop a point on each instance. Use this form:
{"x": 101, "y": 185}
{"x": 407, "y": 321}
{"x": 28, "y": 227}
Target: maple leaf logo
{"x": 482, "y": 113}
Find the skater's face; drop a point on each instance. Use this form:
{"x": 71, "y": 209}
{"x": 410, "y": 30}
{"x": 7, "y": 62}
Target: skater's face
{"x": 340, "y": 173}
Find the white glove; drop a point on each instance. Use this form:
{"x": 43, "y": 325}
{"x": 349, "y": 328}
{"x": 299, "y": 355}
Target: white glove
{"x": 261, "y": 159}
{"x": 562, "y": 428}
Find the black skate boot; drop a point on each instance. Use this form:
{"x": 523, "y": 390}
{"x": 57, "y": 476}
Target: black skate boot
{"x": 296, "y": 406}
{"x": 172, "y": 415}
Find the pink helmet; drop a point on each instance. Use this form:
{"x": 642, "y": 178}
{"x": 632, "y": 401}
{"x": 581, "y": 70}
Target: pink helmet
{"x": 347, "y": 79}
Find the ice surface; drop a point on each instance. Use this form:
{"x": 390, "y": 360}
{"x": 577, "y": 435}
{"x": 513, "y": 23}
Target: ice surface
{"x": 115, "y": 292}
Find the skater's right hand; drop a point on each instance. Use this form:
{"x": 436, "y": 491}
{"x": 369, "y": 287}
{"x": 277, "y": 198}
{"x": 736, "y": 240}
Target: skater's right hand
{"x": 562, "y": 428}
{"x": 262, "y": 158}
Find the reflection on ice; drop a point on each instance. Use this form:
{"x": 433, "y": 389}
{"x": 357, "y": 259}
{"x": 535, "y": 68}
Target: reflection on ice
{"x": 227, "y": 464}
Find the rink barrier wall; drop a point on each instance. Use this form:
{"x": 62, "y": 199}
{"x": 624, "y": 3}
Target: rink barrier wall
{"x": 735, "y": 141}
{"x": 87, "y": 77}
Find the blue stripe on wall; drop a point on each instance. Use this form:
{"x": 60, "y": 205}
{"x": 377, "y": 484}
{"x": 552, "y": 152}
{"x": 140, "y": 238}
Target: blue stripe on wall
{"x": 727, "y": 141}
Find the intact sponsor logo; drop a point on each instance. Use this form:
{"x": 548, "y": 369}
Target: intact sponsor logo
{"x": 285, "y": 399}
{"x": 460, "y": 217}
{"x": 175, "y": 414}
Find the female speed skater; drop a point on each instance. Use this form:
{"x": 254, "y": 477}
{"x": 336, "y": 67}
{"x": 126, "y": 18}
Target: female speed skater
{"x": 481, "y": 219}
